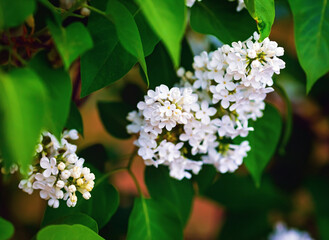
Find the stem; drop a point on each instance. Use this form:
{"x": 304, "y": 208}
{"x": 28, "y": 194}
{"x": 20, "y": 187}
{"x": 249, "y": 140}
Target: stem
{"x": 136, "y": 183}
{"x": 105, "y": 176}
{"x": 131, "y": 159}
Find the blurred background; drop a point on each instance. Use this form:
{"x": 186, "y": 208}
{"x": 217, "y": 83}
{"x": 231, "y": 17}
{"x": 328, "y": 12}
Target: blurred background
{"x": 295, "y": 184}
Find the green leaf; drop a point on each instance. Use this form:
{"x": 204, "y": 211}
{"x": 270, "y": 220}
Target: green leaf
{"x": 63, "y": 231}
{"x": 320, "y": 199}
{"x": 311, "y": 26}
{"x": 103, "y": 203}
{"x": 22, "y": 111}
{"x": 6, "y": 229}
{"x": 178, "y": 195}
{"x": 161, "y": 69}
{"x": 59, "y": 87}
{"x": 168, "y": 19}
{"x": 151, "y": 220}
{"x": 108, "y": 61}
{"x": 101, "y": 206}
{"x": 220, "y": 18}
{"x": 78, "y": 218}
{"x": 74, "y": 120}
{"x": 114, "y": 118}
{"x": 238, "y": 193}
{"x": 71, "y": 42}
{"x": 14, "y": 13}
{"x": 127, "y": 31}
{"x": 263, "y": 11}
{"x": 263, "y": 142}
{"x": 205, "y": 178}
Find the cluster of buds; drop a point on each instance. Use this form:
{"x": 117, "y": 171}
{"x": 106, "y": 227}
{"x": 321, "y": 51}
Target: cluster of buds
{"x": 58, "y": 172}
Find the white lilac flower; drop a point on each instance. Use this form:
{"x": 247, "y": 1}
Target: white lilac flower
{"x": 58, "y": 172}
{"x": 195, "y": 122}
{"x": 283, "y": 233}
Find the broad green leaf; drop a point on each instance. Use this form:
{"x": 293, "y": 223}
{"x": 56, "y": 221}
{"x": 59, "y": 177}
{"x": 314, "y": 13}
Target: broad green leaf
{"x": 311, "y": 26}
{"x": 263, "y": 142}
{"x": 161, "y": 69}
{"x": 74, "y": 120}
{"x": 13, "y": 13}
{"x": 127, "y": 31}
{"x": 6, "y": 229}
{"x": 151, "y": 220}
{"x": 59, "y": 89}
{"x": 78, "y": 218}
{"x": 263, "y": 11}
{"x": 103, "y": 203}
{"x": 168, "y": 19}
{"x": 238, "y": 193}
{"x": 220, "y": 18}
{"x": 178, "y": 195}
{"x": 22, "y": 111}
{"x": 71, "y": 42}
{"x": 108, "y": 61}
{"x": 205, "y": 178}
{"x": 63, "y": 231}
{"x": 114, "y": 118}
{"x": 101, "y": 206}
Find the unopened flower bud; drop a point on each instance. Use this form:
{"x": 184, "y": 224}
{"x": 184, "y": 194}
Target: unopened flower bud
{"x": 79, "y": 181}
{"x": 86, "y": 195}
{"x": 61, "y": 166}
{"x": 72, "y": 188}
{"x": 73, "y": 199}
{"x": 85, "y": 12}
{"x": 60, "y": 184}
{"x": 66, "y": 174}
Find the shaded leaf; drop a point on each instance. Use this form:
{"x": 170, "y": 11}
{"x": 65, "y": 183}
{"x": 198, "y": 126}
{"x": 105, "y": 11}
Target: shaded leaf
{"x": 127, "y": 31}
{"x": 167, "y": 18}
{"x": 222, "y": 20}
{"x": 71, "y": 42}
{"x": 22, "y": 111}
{"x": 178, "y": 195}
{"x": 114, "y": 118}
{"x": 263, "y": 142}
{"x": 74, "y": 120}
{"x": 59, "y": 89}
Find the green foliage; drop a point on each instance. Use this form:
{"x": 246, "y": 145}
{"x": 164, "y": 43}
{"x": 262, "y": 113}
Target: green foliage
{"x": 6, "y": 229}
{"x": 151, "y": 220}
{"x": 263, "y": 11}
{"x": 78, "y": 218}
{"x": 263, "y": 142}
{"x": 127, "y": 31}
{"x": 222, "y": 20}
{"x": 20, "y": 120}
{"x": 59, "y": 89}
{"x": 113, "y": 115}
{"x": 168, "y": 20}
{"x": 13, "y": 13}
{"x": 177, "y": 195}
{"x": 100, "y": 207}
{"x": 71, "y": 42}
{"x": 161, "y": 69}
{"x": 320, "y": 197}
{"x": 311, "y": 26}
{"x": 63, "y": 231}
{"x": 238, "y": 193}
{"x": 74, "y": 120}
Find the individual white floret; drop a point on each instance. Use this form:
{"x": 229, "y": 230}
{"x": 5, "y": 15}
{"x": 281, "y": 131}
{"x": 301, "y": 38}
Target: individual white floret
{"x": 283, "y": 233}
